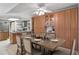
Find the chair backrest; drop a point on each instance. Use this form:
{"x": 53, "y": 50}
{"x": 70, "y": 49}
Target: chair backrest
{"x": 27, "y": 45}
{"x": 18, "y": 40}
{"x": 73, "y": 47}
{"x": 26, "y": 34}
{"x": 50, "y": 36}
{"x": 42, "y": 35}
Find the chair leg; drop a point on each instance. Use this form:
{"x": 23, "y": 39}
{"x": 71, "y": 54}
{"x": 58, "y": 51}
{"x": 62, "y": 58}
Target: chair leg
{"x": 43, "y": 50}
{"x": 17, "y": 53}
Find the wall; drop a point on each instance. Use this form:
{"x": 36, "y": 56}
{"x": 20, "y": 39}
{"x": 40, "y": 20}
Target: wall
{"x": 4, "y": 30}
{"x": 4, "y": 26}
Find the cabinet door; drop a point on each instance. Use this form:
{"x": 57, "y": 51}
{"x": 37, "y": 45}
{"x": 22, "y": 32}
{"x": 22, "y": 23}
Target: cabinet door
{"x": 59, "y": 27}
{"x": 74, "y": 26}
{"x": 67, "y": 22}
{"x": 70, "y": 27}
{"x": 5, "y": 35}
{"x": 0, "y": 36}
{"x": 13, "y": 38}
{"x": 66, "y": 26}
{"x": 38, "y": 24}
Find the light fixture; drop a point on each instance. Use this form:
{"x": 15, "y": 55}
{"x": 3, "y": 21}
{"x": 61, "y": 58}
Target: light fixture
{"x": 40, "y": 11}
{"x": 13, "y": 19}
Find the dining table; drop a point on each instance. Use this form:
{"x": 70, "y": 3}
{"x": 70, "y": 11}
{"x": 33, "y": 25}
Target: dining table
{"x": 50, "y": 44}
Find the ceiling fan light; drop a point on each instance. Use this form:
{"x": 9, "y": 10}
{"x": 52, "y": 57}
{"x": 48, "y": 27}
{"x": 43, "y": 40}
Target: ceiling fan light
{"x": 40, "y": 11}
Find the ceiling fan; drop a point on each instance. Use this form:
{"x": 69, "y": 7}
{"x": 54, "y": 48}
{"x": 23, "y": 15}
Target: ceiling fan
{"x": 41, "y": 10}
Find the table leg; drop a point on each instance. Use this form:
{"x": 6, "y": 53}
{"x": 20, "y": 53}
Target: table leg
{"x": 43, "y": 50}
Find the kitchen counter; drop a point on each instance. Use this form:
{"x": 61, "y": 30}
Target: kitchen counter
{"x": 13, "y": 36}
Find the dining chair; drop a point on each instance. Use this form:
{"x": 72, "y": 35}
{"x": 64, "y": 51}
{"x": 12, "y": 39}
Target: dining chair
{"x": 26, "y": 34}
{"x": 23, "y": 34}
{"x": 65, "y": 51}
{"x": 37, "y": 37}
{"x": 31, "y": 34}
{"x": 73, "y": 47}
{"x": 20, "y": 48}
{"x": 50, "y": 36}
{"x": 42, "y": 35}
{"x": 28, "y": 47}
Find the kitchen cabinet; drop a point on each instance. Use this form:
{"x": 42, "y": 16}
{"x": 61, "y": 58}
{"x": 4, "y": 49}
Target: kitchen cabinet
{"x": 4, "y": 35}
{"x": 12, "y": 38}
{"x": 38, "y": 25}
{"x": 18, "y": 27}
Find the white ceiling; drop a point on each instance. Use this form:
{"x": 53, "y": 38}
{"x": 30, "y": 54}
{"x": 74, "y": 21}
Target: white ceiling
{"x": 26, "y": 9}
{"x": 5, "y": 7}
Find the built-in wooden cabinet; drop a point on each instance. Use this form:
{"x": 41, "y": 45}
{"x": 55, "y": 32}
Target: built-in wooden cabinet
{"x": 18, "y": 27}
{"x": 66, "y": 26}
{"x": 74, "y": 25}
{"x": 38, "y": 25}
{"x": 59, "y": 21}
{"x": 13, "y": 38}
{"x": 4, "y": 35}
{"x": 63, "y": 26}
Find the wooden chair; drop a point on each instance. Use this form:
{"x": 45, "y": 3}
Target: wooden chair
{"x": 50, "y": 36}
{"x": 28, "y": 47}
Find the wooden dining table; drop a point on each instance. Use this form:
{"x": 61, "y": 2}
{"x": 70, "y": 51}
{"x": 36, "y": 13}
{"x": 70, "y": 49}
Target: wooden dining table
{"x": 50, "y": 45}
